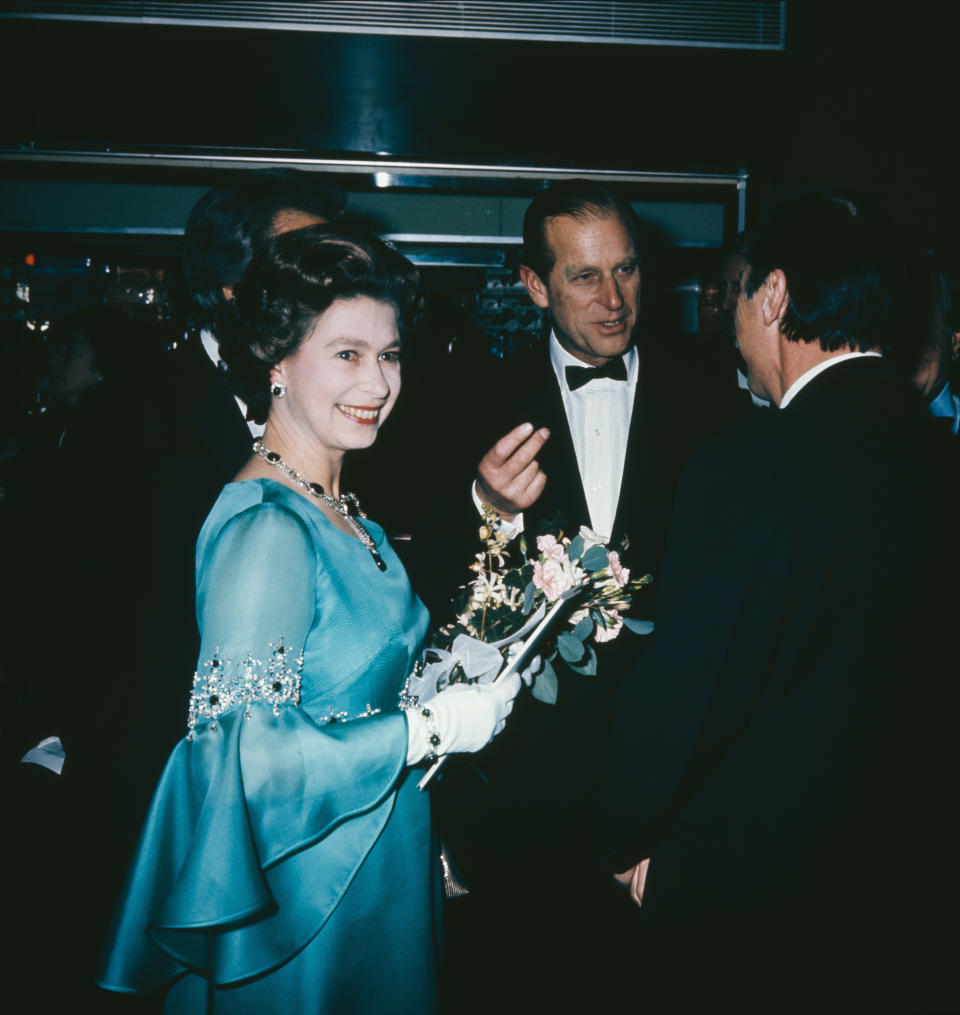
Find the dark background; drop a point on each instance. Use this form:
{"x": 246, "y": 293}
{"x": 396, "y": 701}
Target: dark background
{"x": 859, "y": 102}
{"x": 860, "y": 99}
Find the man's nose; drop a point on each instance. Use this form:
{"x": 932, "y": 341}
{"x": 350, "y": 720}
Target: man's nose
{"x": 610, "y": 295}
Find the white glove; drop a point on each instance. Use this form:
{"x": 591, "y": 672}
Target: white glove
{"x": 531, "y": 670}
{"x": 465, "y": 717}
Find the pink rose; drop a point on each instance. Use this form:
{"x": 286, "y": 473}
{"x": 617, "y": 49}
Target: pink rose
{"x": 621, "y": 574}
{"x": 551, "y": 579}
{"x": 550, "y": 548}
{"x": 608, "y": 631}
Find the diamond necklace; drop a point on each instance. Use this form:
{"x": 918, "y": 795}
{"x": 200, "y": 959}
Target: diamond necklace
{"x": 346, "y": 504}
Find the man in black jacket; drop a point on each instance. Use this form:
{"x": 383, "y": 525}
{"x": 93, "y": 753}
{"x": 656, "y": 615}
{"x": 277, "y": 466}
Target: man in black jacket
{"x": 783, "y": 758}
{"x": 601, "y": 426}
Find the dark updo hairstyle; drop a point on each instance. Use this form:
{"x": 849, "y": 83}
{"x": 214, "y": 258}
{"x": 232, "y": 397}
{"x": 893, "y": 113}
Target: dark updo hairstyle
{"x": 297, "y": 277}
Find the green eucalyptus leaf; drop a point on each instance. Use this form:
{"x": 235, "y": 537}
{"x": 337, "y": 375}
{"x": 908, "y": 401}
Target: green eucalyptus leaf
{"x": 570, "y": 647}
{"x": 575, "y": 549}
{"x": 589, "y": 665}
{"x": 584, "y": 629}
{"x": 595, "y": 559}
{"x": 638, "y": 626}
{"x": 544, "y": 686}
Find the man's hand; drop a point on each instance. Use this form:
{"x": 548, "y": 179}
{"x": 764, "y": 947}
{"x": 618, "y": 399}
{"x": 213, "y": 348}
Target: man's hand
{"x": 509, "y": 478}
{"x": 633, "y": 880}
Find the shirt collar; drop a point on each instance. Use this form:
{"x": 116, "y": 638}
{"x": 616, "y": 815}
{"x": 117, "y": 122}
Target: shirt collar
{"x": 561, "y": 359}
{"x": 942, "y": 405}
{"x": 805, "y": 378}
{"x": 210, "y": 346}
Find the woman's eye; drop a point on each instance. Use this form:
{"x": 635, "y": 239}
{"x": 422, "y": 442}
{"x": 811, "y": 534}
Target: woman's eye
{"x": 390, "y": 356}
{"x": 347, "y": 354}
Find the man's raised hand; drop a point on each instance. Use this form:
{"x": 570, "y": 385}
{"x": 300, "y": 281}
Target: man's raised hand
{"x": 509, "y": 478}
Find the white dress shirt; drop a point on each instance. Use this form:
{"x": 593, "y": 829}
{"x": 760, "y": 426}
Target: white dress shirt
{"x": 212, "y": 348}
{"x": 598, "y": 414}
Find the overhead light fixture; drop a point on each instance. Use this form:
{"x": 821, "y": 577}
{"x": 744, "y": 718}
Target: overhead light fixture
{"x": 382, "y": 179}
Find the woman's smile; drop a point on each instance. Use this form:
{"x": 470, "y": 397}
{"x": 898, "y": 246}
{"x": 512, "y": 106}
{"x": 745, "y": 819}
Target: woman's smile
{"x": 366, "y": 416}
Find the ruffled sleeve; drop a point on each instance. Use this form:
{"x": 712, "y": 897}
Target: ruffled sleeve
{"x": 262, "y": 819}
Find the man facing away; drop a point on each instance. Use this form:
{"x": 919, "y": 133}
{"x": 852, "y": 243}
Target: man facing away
{"x": 783, "y": 763}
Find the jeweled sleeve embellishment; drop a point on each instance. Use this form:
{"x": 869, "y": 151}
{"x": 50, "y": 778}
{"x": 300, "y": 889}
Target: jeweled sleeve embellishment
{"x": 334, "y": 717}
{"x": 219, "y": 687}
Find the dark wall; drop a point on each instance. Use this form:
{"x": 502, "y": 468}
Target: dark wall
{"x": 862, "y": 100}
{"x": 869, "y": 106}
{"x": 590, "y": 106}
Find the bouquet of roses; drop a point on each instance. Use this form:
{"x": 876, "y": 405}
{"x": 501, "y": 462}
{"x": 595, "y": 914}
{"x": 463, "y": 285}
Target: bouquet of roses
{"x": 504, "y": 612}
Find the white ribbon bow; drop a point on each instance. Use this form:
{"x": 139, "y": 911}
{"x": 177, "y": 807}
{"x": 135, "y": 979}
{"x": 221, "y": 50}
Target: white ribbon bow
{"x": 481, "y": 661}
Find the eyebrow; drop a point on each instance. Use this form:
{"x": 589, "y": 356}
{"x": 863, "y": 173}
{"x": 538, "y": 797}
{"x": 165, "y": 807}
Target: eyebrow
{"x": 359, "y": 342}
{"x": 632, "y": 261}
{"x": 348, "y": 340}
{"x": 579, "y": 269}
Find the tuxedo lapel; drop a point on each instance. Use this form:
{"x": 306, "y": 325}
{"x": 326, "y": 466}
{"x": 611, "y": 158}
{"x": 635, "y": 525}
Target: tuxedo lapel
{"x": 662, "y": 436}
{"x": 558, "y": 459}
{"x": 638, "y": 510}
{"x": 637, "y": 447}
{"x": 212, "y": 413}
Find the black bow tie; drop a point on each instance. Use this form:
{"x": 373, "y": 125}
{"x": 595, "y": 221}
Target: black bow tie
{"x": 578, "y": 376}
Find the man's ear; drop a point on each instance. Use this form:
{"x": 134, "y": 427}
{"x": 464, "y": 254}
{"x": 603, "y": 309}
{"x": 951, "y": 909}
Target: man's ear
{"x": 535, "y": 287}
{"x": 955, "y": 345}
{"x": 776, "y": 299}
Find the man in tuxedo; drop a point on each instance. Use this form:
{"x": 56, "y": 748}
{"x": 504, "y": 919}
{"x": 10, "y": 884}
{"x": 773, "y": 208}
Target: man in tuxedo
{"x": 598, "y": 437}
{"x": 584, "y": 408}
{"x": 144, "y": 459}
{"x": 783, "y": 763}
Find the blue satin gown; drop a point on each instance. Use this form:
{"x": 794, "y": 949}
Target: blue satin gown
{"x": 287, "y": 861}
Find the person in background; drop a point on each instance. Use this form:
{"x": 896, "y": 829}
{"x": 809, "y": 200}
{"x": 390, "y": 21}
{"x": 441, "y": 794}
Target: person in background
{"x": 938, "y": 359}
{"x": 923, "y": 340}
{"x": 75, "y": 352}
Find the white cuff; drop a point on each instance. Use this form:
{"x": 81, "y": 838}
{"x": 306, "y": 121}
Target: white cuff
{"x": 509, "y": 529}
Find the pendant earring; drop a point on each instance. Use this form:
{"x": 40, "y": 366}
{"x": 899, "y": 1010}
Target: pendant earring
{"x": 278, "y": 389}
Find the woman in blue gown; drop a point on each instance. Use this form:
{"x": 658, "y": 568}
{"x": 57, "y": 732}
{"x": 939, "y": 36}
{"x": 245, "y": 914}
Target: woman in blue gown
{"x": 288, "y": 860}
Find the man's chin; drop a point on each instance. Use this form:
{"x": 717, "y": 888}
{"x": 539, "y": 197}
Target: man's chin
{"x": 601, "y": 348}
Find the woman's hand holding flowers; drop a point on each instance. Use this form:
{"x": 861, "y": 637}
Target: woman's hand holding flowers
{"x": 464, "y": 718}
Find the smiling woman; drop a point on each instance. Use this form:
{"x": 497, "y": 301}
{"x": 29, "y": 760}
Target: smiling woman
{"x": 342, "y": 382}
{"x": 291, "y": 805}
